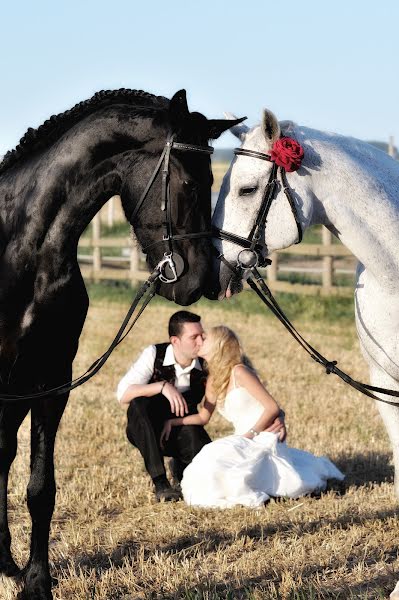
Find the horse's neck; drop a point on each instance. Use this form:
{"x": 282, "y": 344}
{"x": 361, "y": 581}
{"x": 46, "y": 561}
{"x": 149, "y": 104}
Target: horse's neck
{"x": 359, "y": 201}
{"x": 58, "y": 194}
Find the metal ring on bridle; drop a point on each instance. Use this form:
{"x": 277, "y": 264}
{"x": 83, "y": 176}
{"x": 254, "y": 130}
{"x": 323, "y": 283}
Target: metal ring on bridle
{"x": 170, "y": 267}
{"x": 247, "y": 259}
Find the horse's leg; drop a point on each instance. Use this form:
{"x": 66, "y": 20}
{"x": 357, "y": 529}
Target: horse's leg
{"x": 46, "y": 416}
{"x": 11, "y": 417}
{"x": 389, "y": 414}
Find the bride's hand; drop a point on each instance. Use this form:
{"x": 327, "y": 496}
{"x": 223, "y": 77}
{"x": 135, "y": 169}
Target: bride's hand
{"x": 278, "y": 426}
{"x": 167, "y": 428}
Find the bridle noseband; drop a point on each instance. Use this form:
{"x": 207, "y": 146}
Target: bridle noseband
{"x": 171, "y": 266}
{"x": 251, "y": 255}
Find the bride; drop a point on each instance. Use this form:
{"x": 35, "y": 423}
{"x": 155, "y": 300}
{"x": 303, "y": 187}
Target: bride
{"x": 253, "y": 464}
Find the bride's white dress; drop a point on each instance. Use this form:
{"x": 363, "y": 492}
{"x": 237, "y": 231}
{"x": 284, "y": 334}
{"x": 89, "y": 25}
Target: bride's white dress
{"x": 236, "y": 470}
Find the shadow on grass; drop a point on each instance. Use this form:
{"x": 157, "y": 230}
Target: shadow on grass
{"x": 363, "y": 469}
{"x": 360, "y": 469}
{"x": 212, "y": 540}
{"x": 266, "y": 587}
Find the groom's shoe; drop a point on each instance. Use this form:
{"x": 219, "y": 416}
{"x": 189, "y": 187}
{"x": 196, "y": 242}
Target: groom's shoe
{"x": 164, "y": 491}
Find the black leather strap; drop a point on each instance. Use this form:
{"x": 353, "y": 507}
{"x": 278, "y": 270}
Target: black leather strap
{"x": 148, "y": 286}
{"x": 290, "y": 199}
{"x": 252, "y": 154}
{"x": 263, "y": 292}
{"x": 193, "y": 148}
{"x": 148, "y": 186}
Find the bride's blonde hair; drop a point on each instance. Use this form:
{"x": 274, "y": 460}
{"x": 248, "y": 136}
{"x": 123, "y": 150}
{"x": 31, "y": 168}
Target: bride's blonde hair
{"x": 225, "y": 352}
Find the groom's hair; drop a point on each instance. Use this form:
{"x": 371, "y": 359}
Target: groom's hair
{"x": 178, "y": 319}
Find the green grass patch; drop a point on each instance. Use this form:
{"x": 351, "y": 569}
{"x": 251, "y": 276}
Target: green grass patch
{"x": 328, "y": 309}
{"x": 120, "y": 229}
{"x": 312, "y": 235}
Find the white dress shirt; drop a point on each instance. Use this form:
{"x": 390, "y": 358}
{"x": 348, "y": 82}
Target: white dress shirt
{"x": 141, "y": 371}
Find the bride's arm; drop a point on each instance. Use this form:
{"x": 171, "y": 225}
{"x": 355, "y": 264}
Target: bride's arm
{"x": 204, "y": 413}
{"x": 246, "y": 378}
{"x": 201, "y": 418}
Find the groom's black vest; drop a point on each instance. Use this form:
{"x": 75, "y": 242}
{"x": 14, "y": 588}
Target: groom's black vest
{"x": 167, "y": 373}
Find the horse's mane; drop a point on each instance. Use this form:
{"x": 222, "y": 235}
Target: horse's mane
{"x": 55, "y": 126}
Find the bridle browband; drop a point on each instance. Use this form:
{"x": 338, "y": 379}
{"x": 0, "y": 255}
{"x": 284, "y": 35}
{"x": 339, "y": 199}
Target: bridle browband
{"x": 171, "y": 265}
{"x": 251, "y": 256}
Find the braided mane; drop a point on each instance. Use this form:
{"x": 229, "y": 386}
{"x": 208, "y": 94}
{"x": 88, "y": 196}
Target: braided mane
{"x": 55, "y": 126}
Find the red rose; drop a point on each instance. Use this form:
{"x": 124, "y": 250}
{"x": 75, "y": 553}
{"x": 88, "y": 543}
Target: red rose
{"x": 287, "y": 153}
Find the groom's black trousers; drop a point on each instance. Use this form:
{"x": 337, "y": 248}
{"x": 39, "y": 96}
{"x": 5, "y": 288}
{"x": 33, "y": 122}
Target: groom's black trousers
{"x": 145, "y": 421}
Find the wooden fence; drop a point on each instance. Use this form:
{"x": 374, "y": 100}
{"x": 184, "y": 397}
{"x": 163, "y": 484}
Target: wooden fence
{"x": 129, "y": 265}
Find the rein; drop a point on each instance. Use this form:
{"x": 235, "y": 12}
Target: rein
{"x": 168, "y": 270}
{"x": 250, "y": 258}
{"x": 148, "y": 286}
{"x": 258, "y": 285}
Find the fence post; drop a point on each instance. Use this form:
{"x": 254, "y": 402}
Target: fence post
{"x": 96, "y": 247}
{"x": 134, "y": 265}
{"x": 327, "y": 261}
{"x": 272, "y": 270}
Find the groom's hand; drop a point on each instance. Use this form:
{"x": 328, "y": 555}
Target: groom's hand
{"x": 178, "y": 404}
{"x": 278, "y": 426}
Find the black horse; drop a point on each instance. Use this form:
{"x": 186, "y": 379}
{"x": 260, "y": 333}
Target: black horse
{"x": 51, "y": 186}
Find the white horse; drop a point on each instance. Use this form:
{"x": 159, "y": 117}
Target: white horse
{"x": 353, "y": 189}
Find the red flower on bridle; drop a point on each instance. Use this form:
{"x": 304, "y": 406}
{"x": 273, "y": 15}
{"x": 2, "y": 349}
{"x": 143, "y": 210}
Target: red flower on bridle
{"x": 287, "y": 153}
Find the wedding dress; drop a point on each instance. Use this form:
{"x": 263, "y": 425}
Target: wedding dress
{"x": 237, "y": 470}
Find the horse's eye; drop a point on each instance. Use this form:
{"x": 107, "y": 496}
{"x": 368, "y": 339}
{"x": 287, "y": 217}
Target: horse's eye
{"x": 246, "y": 191}
{"x": 190, "y": 187}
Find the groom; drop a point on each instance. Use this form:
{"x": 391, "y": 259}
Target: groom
{"x": 166, "y": 380}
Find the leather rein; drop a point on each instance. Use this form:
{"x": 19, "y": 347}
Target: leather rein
{"x": 251, "y": 257}
{"x": 168, "y": 270}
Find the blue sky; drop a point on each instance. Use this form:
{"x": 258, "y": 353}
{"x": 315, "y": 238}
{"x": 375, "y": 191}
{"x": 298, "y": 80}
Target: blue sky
{"x": 328, "y": 65}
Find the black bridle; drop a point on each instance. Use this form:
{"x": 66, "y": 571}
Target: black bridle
{"x": 168, "y": 270}
{"x": 250, "y": 258}
{"x": 171, "y": 265}
{"x": 251, "y": 255}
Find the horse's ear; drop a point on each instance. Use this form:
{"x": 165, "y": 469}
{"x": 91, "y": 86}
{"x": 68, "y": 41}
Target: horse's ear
{"x": 217, "y": 126}
{"x": 270, "y": 126}
{"x": 240, "y": 130}
{"x": 178, "y": 109}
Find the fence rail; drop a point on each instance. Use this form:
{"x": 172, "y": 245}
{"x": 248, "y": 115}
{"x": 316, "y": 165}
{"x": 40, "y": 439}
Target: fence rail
{"x": 130, "y": 264}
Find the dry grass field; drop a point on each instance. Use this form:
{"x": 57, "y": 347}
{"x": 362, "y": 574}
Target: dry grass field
{"x": 110, "y": 540}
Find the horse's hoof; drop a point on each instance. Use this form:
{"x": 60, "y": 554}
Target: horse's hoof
{"x": 9, "y": 568}
{"x": 35, "y": 588}
{"x": 34, "y": 594}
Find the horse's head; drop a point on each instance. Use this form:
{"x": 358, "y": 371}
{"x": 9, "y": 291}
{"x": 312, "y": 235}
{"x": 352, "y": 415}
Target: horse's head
{"x": 251, "y": 205}
{"x": 169, "y": 204}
